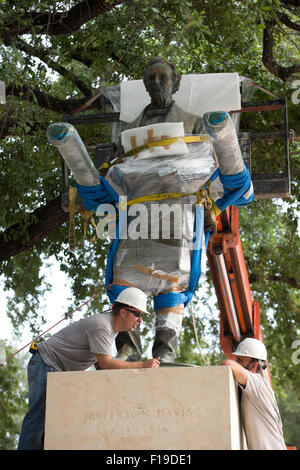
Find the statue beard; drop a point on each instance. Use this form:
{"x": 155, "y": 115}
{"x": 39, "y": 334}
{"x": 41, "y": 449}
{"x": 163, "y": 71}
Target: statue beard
{"x": 161, "y": 98}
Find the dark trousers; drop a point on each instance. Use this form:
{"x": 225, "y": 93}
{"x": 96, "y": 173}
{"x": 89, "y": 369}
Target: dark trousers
{"x": 33, "y": 427}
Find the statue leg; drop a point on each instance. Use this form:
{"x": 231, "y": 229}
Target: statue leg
{"x": 129, "y": 345}
{"x": 167, "y": 329}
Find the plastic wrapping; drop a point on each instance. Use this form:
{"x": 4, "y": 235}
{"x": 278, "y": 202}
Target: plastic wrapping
{"x": 65, "y": 137}
{"x": 170, "y": 320}
{"x": 167, "y": 174}
{"x": 158, "y": 265}
{"x": 160, "y": 260}
{"x": 225, "y": 142}
{"x": 113, "y": 95}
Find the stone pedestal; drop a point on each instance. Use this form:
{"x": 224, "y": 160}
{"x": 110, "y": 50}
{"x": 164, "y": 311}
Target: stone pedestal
{"x": 175, "y": 408}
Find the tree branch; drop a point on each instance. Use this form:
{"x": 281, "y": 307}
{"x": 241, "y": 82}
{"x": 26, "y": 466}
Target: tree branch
{"x": 54, "y": 24}
{"x": 46, "y": 101}
{"x": 291, "y": 281}
{"x": 286, "y": 20}
{"x": 43, "y": 55}
{"x": 10, "y": 120}
{"x": 268, "y": 56}
{"x": 88, "y": 61}
{"x": 293, "y": 3}
{"x": 41, "y": 223}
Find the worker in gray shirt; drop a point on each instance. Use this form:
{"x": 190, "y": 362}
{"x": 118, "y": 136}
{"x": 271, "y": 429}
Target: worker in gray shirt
{"x": 77, "y": 347}
{"x": 260, "y": 414}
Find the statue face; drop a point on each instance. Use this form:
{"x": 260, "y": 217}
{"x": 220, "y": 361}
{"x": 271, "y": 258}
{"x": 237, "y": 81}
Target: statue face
{"x": 159, "y": 84}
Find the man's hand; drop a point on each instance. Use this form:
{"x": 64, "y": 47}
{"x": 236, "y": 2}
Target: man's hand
{"x": 239, "y": 372}
{"x": 151, "y": 363}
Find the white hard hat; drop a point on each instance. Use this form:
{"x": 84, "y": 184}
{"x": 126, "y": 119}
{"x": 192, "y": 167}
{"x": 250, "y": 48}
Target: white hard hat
{"x": 252, "y": 347}
{"x": 134, "y": 298}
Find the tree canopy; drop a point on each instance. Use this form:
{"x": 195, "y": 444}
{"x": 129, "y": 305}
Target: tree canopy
{"x": 54, "y": 58}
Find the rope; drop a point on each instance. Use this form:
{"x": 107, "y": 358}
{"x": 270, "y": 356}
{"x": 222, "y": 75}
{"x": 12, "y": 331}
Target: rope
{"x": 196, "y": 336}
{"x": 46, "y": 331}
{"x": 72, "y": 202}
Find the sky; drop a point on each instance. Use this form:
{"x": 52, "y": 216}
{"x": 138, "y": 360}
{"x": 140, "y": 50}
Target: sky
{"x": 55, "y": 304}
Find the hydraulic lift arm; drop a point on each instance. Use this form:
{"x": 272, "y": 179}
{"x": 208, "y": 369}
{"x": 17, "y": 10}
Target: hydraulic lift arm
{"x": 239, "y": 313}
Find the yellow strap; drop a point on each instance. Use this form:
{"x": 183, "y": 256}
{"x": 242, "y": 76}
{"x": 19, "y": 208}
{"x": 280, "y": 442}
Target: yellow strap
{"x": 157, "y": 143}
{"x": 210, "y": 203}
{"x": 72, "y": 200}
{"x": 88, "y": 217}
{"x": 157, "y": 197}
{"x": 202, "y": 195}
{"x": 215, "y": 210}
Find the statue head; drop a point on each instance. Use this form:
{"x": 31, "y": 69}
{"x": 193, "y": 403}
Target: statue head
{"x": 161, "y": 80}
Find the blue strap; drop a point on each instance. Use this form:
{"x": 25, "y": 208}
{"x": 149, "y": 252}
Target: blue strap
{"x": 172, "y": 299}
{"x": 240, "y": 183}
{"x": 93, "y": 196}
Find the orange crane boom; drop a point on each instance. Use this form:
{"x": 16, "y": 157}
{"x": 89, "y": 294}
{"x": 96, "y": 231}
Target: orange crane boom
{"x": 239, "y": 313}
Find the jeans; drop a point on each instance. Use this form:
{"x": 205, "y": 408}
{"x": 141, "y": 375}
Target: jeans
{"x": 33, "y": 427}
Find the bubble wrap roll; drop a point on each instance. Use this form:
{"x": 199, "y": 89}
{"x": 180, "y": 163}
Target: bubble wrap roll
{"x": 65, "y": 137}
{"x": 225, "y": 142}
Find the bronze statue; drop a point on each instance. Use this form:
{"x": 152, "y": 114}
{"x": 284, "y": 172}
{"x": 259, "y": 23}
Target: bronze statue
{"x": 161, "y": 265}
{"x": 161, "y": 80}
